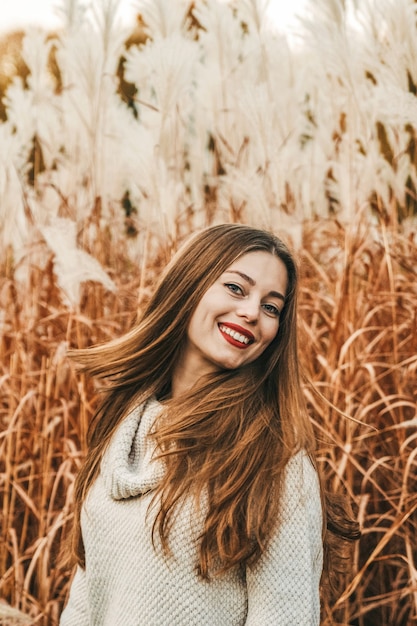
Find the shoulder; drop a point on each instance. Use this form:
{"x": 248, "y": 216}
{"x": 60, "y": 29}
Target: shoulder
{"x": 283, "y": 586}
{"x": 301, "y": 485}
{"x": 300, "y": 467}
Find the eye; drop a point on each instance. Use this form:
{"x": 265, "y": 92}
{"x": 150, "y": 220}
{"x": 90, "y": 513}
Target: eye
{"x": 271, "y": 309}
{"x": 236, "y": 289}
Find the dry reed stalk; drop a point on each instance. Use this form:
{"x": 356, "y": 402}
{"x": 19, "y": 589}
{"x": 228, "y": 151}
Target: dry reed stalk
{"x": 361, "y": 362}
{"x": 335, "y": 140}
{"x": 44, "y": 413}
{"x": 46, "y": 407}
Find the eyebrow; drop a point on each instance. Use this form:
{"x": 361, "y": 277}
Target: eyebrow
{"x": 275, "y": 294}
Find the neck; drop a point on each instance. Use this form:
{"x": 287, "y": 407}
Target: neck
{"x": 187, "y": 372}
{"x": 182, "y": 381}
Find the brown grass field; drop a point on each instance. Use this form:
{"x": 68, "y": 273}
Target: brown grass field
{"x": 358, "y": 350}
{"x": 320, "y": 147}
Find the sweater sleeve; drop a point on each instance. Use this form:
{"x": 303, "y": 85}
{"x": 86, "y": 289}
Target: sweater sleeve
{"x": 75, "y": 612}
{"x": 283, "y": 587}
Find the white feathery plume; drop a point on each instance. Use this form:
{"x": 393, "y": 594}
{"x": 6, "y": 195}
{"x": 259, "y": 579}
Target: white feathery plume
{"x": 44, "y": 104}
{"x": 221, "y": 60}
{"x": 107, "y": 20}
{"x": 219, "y": 82}
{"x": 388, "y": 39}
{"x": 19, "y": 107}
{"x": 227, "y": 115}
{"x": 13, "y": 223}
{"x": 254, "y": 15}
{"x": 258, "y": 129}
{"x": 334, "y": 91}
{"x": 12, "y": 616}
{"x": 96, "y": 118}
{"x": 393, "y": 105}
{"x": 72, "y": 266}
{"x": 163, "y": 18}
{"x": 265, "y": 123}
{"x": 163, "y": 70}
{"x": 167, "y": 201}
{"x": 33, "y": 111}
{"x": 73, "y": 14}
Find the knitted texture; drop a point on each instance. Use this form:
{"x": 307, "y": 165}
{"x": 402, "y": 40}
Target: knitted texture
{"x": 129, "y": 582}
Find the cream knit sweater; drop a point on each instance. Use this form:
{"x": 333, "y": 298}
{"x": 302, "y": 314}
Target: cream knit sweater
{"x": 129, "y": 583}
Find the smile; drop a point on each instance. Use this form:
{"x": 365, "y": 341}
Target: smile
{"x": 235, "y": 337}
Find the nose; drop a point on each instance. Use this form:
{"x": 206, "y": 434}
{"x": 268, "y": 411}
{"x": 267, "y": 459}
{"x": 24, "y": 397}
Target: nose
{"x": 248, "y": 309}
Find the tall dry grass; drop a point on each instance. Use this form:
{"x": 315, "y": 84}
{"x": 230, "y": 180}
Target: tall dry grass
{"x": 44, "y": 413}
{"x": 358, "y": 318}
{"x": 224, "y": 121}
{"x": 357, "y": 323}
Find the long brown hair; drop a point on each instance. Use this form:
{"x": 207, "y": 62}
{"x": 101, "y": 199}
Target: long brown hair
{"x": 231, "y": 436}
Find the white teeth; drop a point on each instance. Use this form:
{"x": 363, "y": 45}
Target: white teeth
{"x": 234, "y": 334}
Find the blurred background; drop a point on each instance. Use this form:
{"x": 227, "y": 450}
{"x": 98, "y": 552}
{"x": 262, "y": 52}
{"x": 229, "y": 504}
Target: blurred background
{"x": 124, "y": 127}
{"x": 46, "y": 14}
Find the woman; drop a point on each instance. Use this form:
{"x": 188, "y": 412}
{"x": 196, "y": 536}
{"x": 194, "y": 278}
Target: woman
{"x": 199, "y": 501}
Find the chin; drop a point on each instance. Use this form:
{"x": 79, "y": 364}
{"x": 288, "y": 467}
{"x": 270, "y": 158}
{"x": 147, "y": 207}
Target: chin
{"x": 232, "y": 366}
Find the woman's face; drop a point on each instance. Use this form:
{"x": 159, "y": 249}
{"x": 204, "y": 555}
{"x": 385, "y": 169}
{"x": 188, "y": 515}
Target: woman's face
{"x": 237, "y": 317}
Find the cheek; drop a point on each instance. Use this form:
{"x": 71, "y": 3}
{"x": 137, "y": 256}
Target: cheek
{"x": 193, "y": 324}
{"x": 270, "y": 333}
{"x": 207, "y": 303}
{"x": 198, "y": 319}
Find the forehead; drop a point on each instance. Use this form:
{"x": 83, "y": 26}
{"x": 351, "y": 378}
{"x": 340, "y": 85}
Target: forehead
{"x": 263, "y": 269}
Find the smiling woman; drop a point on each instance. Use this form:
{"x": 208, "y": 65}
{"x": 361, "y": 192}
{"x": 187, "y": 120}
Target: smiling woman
{"x": 199, "y": 501}
{"x": 236, "y": 319}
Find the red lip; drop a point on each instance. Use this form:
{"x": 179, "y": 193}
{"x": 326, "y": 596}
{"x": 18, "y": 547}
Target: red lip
{"x": 239, "y": 329}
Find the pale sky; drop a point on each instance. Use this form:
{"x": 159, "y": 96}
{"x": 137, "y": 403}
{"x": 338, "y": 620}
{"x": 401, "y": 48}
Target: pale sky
{"x": 20, "y": 13}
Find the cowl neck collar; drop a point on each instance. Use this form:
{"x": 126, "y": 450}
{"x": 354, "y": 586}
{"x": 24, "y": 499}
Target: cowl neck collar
{"x": 129, "y": 467}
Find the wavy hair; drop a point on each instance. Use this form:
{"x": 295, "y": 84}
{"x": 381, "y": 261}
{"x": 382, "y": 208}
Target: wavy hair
{"x": 230, "y": 437}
